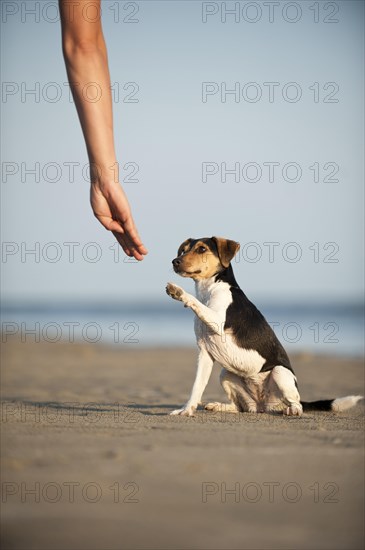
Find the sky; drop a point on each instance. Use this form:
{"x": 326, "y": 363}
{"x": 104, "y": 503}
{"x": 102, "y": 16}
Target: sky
{"x": 237, "y": 119}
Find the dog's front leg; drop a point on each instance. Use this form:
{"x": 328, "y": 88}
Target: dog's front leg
{"x": 212, "y": 319}
{"x": 205, "y": 364}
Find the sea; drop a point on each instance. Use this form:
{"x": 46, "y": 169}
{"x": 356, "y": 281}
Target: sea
{"x": 333, "y": 329}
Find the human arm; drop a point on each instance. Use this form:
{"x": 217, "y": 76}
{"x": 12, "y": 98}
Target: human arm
{"x": 86, "y": 61}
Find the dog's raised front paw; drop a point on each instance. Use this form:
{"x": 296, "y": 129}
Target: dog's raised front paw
{"x": 174, "y": 291}
{"x": 185, "y": 411}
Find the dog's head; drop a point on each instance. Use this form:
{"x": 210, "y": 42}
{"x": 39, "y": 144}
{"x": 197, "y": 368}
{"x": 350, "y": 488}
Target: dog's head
{"x": 204, "y": 258}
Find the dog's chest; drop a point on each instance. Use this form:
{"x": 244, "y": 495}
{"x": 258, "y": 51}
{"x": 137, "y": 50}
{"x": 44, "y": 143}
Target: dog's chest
{"x": 217, "y": 295}
{"x": 222, "y": 346}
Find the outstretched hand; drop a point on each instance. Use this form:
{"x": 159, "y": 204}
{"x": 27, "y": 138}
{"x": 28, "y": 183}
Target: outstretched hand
{"x": 111, "y": 208}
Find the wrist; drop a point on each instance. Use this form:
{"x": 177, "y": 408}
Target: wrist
{"x": 104, "y": 172}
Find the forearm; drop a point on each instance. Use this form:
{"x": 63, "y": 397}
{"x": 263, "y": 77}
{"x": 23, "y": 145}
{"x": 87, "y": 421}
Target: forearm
{"x": 86, "y": 63}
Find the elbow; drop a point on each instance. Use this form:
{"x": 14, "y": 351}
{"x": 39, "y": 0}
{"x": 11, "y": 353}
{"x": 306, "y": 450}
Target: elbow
{"x": 81, "y": 47}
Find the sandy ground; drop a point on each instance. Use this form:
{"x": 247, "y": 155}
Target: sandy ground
{"x": 91, "y": 459}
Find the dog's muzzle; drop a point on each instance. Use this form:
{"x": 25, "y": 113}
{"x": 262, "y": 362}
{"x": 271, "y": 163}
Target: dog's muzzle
{"x": 179, "y": 268}
{"x": 176, "y": 263}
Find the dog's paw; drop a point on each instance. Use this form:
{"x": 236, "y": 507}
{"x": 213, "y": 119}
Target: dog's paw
{"x": 214, "y": 407}
{"x": 221, "y": 407}
{"x": 295, "y": 409}
{"x": 174, "y": 291}
{"x": 185, "y": 411}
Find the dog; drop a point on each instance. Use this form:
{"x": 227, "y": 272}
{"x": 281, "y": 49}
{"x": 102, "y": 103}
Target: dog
{"x": 257, "y": 375}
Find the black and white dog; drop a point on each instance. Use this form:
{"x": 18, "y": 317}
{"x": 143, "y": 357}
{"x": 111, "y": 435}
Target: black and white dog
{"x": 257, "y": 375}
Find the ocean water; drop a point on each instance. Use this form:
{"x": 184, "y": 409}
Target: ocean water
{"x": 327, "y": 329}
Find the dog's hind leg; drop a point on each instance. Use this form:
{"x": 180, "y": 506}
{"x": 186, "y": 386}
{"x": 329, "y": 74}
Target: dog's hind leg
{"x": 240, "y": 399}
{"x": 282, "y": 392}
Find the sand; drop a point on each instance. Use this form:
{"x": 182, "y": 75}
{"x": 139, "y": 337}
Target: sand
{"x": 92, "y": 460}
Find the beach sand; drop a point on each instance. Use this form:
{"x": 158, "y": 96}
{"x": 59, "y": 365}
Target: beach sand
{"x": 92, "y": 460}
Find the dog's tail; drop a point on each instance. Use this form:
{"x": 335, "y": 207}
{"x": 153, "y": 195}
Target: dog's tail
{"x": 337, "y": 405}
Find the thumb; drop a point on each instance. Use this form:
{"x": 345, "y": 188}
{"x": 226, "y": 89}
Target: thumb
{"x": 110, "y": 224}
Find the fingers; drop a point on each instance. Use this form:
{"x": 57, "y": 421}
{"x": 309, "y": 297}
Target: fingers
{"x": 127, "y": 236}
{"x": 132, "y": 241}
{"x": 126, "y": 226}
{"x": 114, "y": 213}
{"x": 128, "y": 247}
{"x": 133, "y": 248}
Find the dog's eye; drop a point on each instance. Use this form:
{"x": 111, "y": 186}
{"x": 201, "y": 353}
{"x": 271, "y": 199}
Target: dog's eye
{"x": 201, "y": 249}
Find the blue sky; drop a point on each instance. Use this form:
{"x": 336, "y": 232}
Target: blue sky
{"x": 277, "y": 164}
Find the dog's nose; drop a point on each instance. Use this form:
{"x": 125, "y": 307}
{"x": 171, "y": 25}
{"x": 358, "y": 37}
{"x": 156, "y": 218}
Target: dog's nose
{"x": 176, "y": 262}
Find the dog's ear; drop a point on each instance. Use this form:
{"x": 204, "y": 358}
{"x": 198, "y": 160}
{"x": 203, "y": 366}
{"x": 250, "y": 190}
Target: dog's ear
{"x": 183, "y": 245}
{"x": 226, "y": 250}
